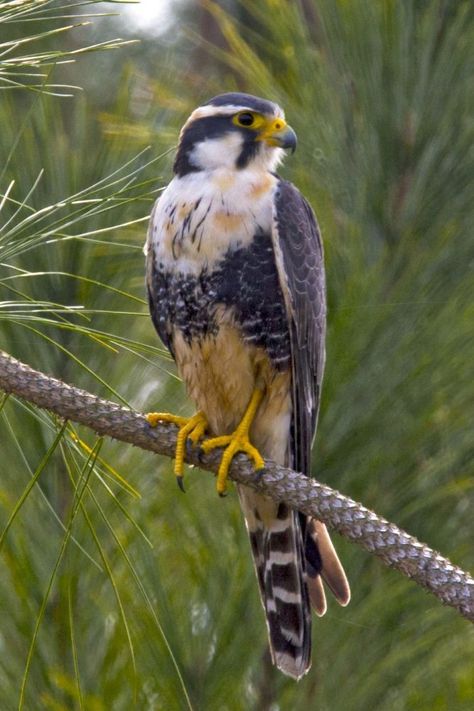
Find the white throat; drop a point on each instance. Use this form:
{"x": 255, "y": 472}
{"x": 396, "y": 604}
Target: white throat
{"x": 223, "y": 153}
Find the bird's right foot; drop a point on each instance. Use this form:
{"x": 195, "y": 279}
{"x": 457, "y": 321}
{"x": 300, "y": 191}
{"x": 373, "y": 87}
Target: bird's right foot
{"x": 189, "y": 427}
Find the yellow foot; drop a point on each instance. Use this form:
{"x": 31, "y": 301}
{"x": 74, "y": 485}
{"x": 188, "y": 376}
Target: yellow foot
{"x": 238, "y": 441}
{"x": 192, "y": 427}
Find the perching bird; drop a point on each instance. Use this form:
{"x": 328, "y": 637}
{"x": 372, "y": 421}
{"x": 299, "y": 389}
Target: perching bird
{"x": 236, "y": 289}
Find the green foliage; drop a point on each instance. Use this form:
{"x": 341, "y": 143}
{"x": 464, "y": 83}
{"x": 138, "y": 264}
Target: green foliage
{"x": 117, "y": 591}
{"x": 20, "y": 61}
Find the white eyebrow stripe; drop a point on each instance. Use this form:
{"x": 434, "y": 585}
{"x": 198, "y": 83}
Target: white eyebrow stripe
{"x": 204, "y": 111}
{"x": 227, "y": 110}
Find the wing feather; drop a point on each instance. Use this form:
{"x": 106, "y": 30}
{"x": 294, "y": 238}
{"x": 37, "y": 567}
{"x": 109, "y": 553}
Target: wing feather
{"x": 300, "y": 262}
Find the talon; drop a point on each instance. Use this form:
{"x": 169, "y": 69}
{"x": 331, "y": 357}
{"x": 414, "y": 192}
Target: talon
{"x": 193, "y": 428}
{"x": 189, "y": 427}
{"x": 253, "y": 453}
{"x": 238, "y": 441}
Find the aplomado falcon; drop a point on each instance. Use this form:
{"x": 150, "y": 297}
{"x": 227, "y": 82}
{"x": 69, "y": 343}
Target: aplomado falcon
{"x": 236, "y": 288}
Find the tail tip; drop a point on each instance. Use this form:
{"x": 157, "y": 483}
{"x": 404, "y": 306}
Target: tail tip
{"x": 294, "y": 667}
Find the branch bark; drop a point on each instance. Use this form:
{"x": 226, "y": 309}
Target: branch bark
{"x": 453, "y": 586}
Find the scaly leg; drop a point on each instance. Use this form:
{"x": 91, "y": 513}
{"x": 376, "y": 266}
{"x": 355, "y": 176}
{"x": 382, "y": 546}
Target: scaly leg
{"x": 192, "y": 427}
{"x": 238, "y": 441}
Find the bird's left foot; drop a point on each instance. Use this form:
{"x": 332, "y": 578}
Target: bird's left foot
{"x": 236, "y": 442}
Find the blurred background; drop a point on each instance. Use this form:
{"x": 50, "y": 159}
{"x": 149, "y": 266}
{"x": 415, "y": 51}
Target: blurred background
{"x": 116, "y": 591}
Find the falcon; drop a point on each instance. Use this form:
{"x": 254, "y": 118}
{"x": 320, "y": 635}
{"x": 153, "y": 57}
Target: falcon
{"x": 236, "y": 288}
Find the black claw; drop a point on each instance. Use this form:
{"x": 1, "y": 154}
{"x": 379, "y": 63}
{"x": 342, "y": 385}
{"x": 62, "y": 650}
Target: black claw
{"x": 180, "y": 483}
{"x": 259, "y": 473}
{"x": 223, "y": 494}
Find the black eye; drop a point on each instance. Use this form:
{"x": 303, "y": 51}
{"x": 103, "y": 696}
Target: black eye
{"x": 245, "y": 118}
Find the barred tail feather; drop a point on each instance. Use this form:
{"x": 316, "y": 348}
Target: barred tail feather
{"x": 293, "y": 555}
{"x": 285, "y": 596}
{"x": 277, "y": 547}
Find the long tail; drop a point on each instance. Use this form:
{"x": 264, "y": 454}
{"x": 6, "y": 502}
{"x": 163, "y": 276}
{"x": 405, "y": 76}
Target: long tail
{"x": 291, "y": 554}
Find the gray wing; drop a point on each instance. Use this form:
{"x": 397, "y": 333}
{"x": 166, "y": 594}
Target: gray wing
{"x": 300, "y": 264}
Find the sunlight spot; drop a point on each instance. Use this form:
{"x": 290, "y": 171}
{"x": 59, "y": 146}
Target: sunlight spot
{"x": 149, "y": 16}
{"x": 200, "y": 617}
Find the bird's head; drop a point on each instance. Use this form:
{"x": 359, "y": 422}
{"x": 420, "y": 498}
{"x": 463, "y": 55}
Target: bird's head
{"x": 233, "y": 131}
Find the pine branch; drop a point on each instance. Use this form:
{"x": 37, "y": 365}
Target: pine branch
{"x": 450, "y": 584}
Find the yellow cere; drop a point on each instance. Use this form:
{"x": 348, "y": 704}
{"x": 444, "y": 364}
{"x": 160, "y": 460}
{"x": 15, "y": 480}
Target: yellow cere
{"x": 273, "y": 128}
